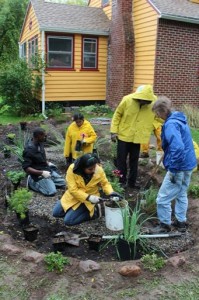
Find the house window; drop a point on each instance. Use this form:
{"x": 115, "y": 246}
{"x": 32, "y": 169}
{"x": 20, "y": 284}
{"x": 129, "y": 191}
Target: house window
{"x": 32, "y": 51}
{"x": 60, "y": 52}
{"x": 23, "y": 51}
{"x": 105, "y": 2}
{"x": 90, "y": 53}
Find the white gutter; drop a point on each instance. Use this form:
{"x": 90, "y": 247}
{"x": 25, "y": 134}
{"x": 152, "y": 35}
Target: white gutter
{"x": 180, "y": 19}
{"x": 77, "y": 31}
{"x": 43, "y": 74}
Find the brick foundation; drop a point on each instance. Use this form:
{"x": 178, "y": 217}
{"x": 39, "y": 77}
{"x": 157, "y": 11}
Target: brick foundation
{"x": 177, "y": 62}
{"x": 121, "y": 52}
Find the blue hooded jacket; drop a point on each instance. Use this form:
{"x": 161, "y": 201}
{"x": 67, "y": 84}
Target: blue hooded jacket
{"x": 179, "y": 154}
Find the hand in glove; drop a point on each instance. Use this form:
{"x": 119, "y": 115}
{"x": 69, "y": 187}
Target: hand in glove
{"x": 94, "y": 199}
{"x": 115, "y": 196}
{"x": 114, "y": 137}
{"x": 172, "y": 177}
{"x": 46, "y": 174}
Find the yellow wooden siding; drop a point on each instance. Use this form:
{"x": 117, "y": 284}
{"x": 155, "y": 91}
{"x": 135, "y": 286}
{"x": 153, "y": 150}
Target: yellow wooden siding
{"x": 28, "y": 33}
{"x": 107, "y": 9}
{"x": 195, "y": 1}
{"x": 79, "y": 85}
{"x": 145, "y": 30}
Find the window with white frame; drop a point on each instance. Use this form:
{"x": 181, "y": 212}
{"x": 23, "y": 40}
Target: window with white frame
{"x": 90, "y": 53}
{"x": 105, "y": 2}
{"x": 32, "y": 50}
{"x": 23, "y": 51}
{"x": 60, "y": 52}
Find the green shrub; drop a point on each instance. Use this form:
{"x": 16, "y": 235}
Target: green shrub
{"x": 19, "y": 201}
{"x": 56, "y": 261}
{"x": 15, "y": 176}
{"x": 149, "y": 198}
{"x": 152, "y": 262}
{"x": 192, "y": 113}
{"x": 97, "y": 109}
{"x": 19, "y": 88}
{"x": 194, "y": 190}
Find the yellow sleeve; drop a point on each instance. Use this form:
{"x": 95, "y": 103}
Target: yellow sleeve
{"x": 157, "y": 122}
{"x": 67, "y": 145}
{"x": 76, "y": 192}
{"x": 91, "y": 135}
{"x": 117, "y": 117}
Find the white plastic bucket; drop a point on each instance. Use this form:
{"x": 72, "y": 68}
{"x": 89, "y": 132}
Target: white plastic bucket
{"x": 159, "y": 155}
{"x": 113, "y": 217}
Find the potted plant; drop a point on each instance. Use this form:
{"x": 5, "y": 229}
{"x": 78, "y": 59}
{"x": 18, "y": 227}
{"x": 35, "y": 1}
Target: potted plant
{"x": 19, "y": 201}
{"x": 7, "y": 151}
{"x": 15, "y": 177}
{"x": 130, "y": 244}
{"x": 11, "y": 137}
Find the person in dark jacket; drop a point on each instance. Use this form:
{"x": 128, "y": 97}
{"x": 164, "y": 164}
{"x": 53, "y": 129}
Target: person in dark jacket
{"x": 179, "y": 161}
{"x": 43, "y": 174}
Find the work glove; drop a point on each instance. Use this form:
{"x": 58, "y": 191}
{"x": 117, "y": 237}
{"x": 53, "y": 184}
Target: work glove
{"x": 115, "y": 196}
{"x": 114, "y": 137}
{"x": 94, "y": 199}
{"x": 46, "y": 174}
{"x": 172, "y": 177}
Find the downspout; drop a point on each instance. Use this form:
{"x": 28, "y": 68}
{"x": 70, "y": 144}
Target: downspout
{"x": 43, "y": 75}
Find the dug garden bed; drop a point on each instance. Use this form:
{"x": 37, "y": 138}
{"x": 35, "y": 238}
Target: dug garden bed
{"x": 40, "y": 209}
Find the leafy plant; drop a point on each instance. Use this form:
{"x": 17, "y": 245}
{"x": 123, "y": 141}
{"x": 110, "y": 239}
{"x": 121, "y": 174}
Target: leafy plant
{"x": 15, "y": 176}
{"x": 96, "y": 109}
{"x": 152, "y": 262}
{"x": 99, "y": 143}
{"x": 108, "y": 169}
{"x": 192, "y": 113}
{"x": 116, "y": 185}
{"x": 20, "y": 141}
{"x": 56, "y": 261}
{"x": 11, "y": 136}
{"x": 19, "y": 201}
{"x": 194, "y": 190}
{"x": 4, "y": 109}
{"x": 149, "y": 197}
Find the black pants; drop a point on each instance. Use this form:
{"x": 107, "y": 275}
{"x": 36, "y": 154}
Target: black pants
{"x": 123, "y": 150}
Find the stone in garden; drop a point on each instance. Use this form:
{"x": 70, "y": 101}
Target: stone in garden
{"x": 5, "y": 238}
{"x": 89, "y": 266}
{"x": 130, "y": 271}
{"x": 11, "y": 249}
{"x": 33, "y": 256}
{"x": 177, "y": 261}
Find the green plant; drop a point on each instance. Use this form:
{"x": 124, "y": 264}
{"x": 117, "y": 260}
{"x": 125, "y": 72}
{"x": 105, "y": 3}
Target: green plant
{"x": 152, "y": 262}
{"x": 11, "y": 136}
{"x": 20, "y": 141}
{"x": 96, "y": 109}
{"x": 15, "y": 176}
{"x": 149, "y": 197}
{"x": 4, "y": 108}
{"x": 116, "y": 185}
{"x": 19, "y": 201}
{"x": 56, "y": 261}
{"x": 19, "y": 85}
{"x": 194, "y": 190}
{"x": 192, "y": 113}
{"x": 99, "y": 143}
{"x": 108, "y": 169}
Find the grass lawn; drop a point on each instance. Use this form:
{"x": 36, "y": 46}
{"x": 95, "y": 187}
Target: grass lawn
{"x": 195, "y": 135}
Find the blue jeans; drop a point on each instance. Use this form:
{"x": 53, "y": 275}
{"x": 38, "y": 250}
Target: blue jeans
{"x": 173, "y": 191}
{"x": 72, "y": 217}
{"x": 47, "y": 186}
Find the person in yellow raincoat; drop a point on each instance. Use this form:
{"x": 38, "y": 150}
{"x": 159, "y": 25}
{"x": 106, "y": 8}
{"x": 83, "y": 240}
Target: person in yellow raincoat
{"x": 157, "y": 127}
{"x": 80, "y": 202}
{"x": 79, "y": 139}
{"x": 196, "y": 149}
{"x": 132, "y": 124}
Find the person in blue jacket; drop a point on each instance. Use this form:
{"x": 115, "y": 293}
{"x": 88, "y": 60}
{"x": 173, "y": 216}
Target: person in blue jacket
{"x": 179, "y": 161}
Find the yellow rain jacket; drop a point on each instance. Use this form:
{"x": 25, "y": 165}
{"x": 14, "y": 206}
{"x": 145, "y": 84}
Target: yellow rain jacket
{"x": 196, "y": 149}
{"x": 78, "y": 191}
{"x": 74, "y": 133}
{"x": 132, "y": 122}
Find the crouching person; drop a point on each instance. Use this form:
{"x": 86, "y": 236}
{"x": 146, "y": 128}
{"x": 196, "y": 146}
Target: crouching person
{"x": 43, "y": 174}
{"x": 80, "y": 202}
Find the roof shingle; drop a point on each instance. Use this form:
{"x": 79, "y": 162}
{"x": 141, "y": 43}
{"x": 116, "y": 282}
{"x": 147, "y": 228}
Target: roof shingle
{"x": 70, "y": 18}
{"x": 184, "y": 9}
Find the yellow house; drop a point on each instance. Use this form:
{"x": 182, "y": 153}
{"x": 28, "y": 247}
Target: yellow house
{"x": 153, "y": 42}
{"x": 105, "y": 50}
{"x": 73, "y": 42}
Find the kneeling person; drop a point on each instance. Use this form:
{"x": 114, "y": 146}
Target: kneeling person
{"x": 80, "y": 202}
{"x": 43, "y": 174}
